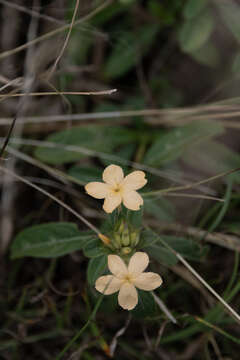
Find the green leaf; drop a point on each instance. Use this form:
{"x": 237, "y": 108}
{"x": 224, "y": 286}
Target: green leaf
{"x": 207, "y": 55}
{"x": 195, "y": 32}
{"x": 193, "y": 8}
{"x": 135, "y": 218}
{"x": 49, "y": 240}
{"x": 149, "y": 243}
{"x": 230, "y": 11}
{"x": 146, "y": 306}
{"x": 161, "y": 254}
{"x": 96, "y": 267}
{"x": 215, "y": 158}
{"x": 170, "y": 146}
{"x": 160, "y": 209}
{"x": 125, "y": 153}
{"x": 188, "y": 248}
{"x": 94, "y": 248}
{"x": 94, "y": 138}
{"x": 147, "y": 238}
{"x": 126, "y": 53}
{"x": 85, "y": 174}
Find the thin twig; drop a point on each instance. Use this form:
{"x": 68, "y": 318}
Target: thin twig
{"x": 195, "y": 196}
{"x": 55, "y": 32}
{"x": 164, "y": 308}
{"x": 169, "y": 175}
{"x": 232, "y": 312}
{"x": 48, "y": 93}
{"x": 54, "y": 198}
{"x": 228, "y": 241}
{"x": 30, "y": 12}
{"x": 65, "y": 42}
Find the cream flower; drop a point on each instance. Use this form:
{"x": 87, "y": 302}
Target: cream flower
{"x": 117, "y": 189}
{"x": 125, "y": 279}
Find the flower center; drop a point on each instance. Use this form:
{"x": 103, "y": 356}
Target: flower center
{"x": 117, "y": 190}
{"x": 127, "y": 278}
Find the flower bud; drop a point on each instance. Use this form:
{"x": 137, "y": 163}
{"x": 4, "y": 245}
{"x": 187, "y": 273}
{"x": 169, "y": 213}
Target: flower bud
{"x": 126, "y": 250}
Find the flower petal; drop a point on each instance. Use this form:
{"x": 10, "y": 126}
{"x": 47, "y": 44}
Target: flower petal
{"x": 148, "y": 281}
{"x": 97, "y": 189}
{"x": 113, "y": 175}
{"x": 138, "y": 263}
{"x": 132, "y": 200}
{"x": 128, "y": 296}
{"x": 111, "y": 202}
{"x": 117, "y": 266}
{"x": 134, "y": 181}
{"x": 108, "y": 284}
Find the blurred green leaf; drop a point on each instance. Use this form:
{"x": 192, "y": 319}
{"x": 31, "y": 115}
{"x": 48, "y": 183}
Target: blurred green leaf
{"x": 96, "y": 267}
{"x": 193, "y": 8}
{"x": 49, "y": 240}
{"x": 128, "y": 48}
{"x": 230, "y": 11}
{"x": 147, "y": 238}
{"x": 214, "y": 157}
{"x": 94, "y": 248}
{"x": 149, "y": 243}
{"x": 161, "y": 254}
{"x": 146, "y": 305}
{"x": 161, "y": 209}
{"x": 125, "y": 153}
{"x": 85, "y": 174}
{"x": 195, "y": 32}
{"x": 170, "y": 146}
{"x": 96, "y": 138}
{"x": 207, "y": 55}
{"x": 188, "y": 248}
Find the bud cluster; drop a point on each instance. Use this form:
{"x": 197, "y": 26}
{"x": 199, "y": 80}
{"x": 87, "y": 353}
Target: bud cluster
{"x": 125, "y": 238}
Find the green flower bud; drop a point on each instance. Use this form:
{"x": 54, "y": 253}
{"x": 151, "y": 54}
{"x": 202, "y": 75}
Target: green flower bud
{"x": 126, "y": 250}
{"x": 134, "y": 238}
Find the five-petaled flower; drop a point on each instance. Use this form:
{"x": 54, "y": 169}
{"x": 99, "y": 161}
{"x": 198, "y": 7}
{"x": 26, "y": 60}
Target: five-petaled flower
{"x": 116, "y": 188}
{"x": 125, "y": 279}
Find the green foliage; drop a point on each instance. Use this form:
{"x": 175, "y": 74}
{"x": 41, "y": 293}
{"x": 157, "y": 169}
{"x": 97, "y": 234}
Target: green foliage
{"x": 160, "y": 209}
{"x": 207, "y": 55}
{"x": 172, "y": 145}
{"x": 193, "y": 8}
{"x": 216, "y": 157}
{"x": 85, "y": 174}
{"x": 131, "y": 45}
{"x": 188, "y": 248}
{"x": 94, "y": 248}
{"x": 128, "y": 50}
{"x": 49, "y": 240}
{"x": 146, "y": 305}
{"x": 196, "y": 31}
{"x": 85, "y": 138}
{"x": 96, "y": 267}
{"x": 161, "y": 254}
{"x": 230, "y": 13}
{"x": 148, "y": 243}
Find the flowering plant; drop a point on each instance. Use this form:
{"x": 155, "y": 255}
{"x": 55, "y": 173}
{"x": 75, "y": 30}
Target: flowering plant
{"x": 127, "y": 273}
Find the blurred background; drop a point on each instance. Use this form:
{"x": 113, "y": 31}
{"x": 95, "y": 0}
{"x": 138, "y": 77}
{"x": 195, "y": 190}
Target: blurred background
{"x": 175, "y": 115}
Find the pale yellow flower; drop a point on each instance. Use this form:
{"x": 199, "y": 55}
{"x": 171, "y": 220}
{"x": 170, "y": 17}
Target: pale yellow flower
{"x": 117, "y": 189}
{"x": 125, "y": 279}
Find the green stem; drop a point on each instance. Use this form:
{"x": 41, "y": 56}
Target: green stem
{"x": 79, "y": 333}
